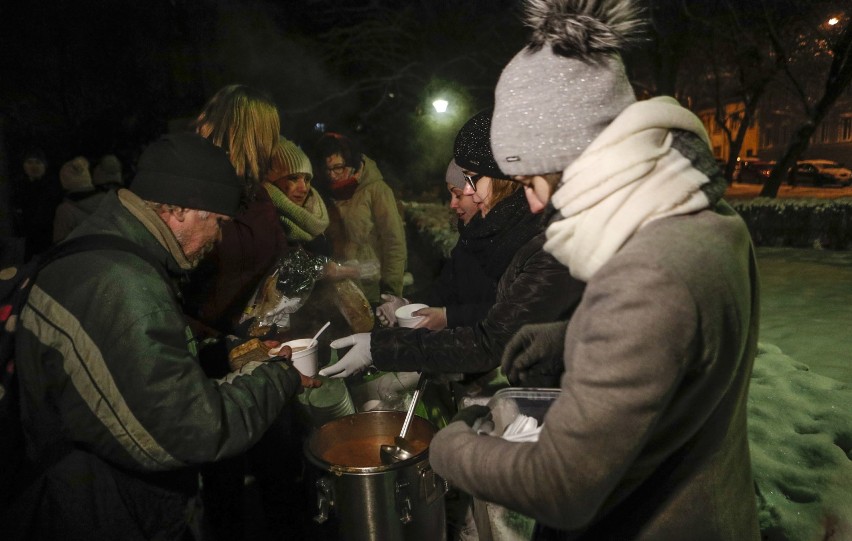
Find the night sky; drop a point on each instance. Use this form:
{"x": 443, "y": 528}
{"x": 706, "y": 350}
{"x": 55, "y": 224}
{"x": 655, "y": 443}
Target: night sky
{"x": 90, "y": 77}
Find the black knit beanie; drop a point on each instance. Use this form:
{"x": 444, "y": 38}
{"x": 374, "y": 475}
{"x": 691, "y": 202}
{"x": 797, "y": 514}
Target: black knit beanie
{"x": 472, "y": 149}
{"x": 188, "y": 171}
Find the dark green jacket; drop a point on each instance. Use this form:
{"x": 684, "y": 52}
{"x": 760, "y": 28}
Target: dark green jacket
{"x": 108, "y": 363}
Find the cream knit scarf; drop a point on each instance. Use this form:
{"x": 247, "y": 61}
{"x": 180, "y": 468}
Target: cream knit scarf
{"x": 302, "y": 224}
{"x": 628, "y": 176}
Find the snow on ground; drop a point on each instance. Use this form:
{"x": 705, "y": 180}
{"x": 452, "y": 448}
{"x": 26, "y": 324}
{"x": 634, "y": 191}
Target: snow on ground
{"x": 800, "y": 434}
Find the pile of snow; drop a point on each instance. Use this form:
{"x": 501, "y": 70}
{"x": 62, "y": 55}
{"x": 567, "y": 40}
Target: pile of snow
{"x": 800, "y": 434}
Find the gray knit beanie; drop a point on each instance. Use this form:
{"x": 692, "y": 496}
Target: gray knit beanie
{"x": 289, "y": 159}
{"x": 75, "y": 176}
{"x": 455, "y": 177}
{"x": 108, "y": 171}
{"x": 560, "y": 92}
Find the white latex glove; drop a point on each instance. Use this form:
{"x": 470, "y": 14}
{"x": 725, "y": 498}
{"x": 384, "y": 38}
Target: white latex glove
{"x": 356, "y": 359}
{"x": 385, "y": 311}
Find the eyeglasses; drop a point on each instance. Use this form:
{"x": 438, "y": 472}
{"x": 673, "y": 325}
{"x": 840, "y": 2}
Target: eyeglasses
{"x": 336, "y": 169}
{"x": 472, "y": 180}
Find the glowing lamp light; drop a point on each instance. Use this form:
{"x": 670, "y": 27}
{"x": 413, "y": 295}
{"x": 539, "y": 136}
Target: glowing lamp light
{"x": 440, "y": 105}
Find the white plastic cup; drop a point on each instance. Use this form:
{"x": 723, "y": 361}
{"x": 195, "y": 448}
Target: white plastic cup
{"x": 304, "y": 356}
{"x": 404, "y": 317}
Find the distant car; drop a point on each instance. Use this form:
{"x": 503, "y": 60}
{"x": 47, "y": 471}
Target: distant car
{"x": 829, "y": 169}
{"x": 808, "y": 173}
{"x": 754, "y": 171}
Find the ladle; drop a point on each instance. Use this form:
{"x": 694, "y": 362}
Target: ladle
{"x": 402, "y": 448}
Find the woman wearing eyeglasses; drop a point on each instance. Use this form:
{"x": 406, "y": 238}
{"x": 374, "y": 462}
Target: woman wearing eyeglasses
{"x": 370, "y": 229}
{"x": 467, "y": 287}
{"x": 533, "y": 286}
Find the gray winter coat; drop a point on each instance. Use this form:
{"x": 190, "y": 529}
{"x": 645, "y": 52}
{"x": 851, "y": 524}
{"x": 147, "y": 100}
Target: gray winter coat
{"x": 648, "y": 439}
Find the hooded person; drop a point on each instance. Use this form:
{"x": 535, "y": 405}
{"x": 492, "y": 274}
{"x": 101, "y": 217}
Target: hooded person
{"x": 107, "y": 173}
{"x": 647, "y": 439}
{"x": 300, "y": 207}
{"x": 34, "y": 195}
{"x": 80, "y": 199}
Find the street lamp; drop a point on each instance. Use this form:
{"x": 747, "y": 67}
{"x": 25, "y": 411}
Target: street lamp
{"x": 440, "y": 105}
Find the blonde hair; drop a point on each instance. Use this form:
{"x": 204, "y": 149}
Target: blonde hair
{"x": 245, "y": 123}
{"x": 501, "y": 189}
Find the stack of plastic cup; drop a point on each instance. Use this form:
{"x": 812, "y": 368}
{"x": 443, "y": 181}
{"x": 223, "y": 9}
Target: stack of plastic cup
{"x": 328, "y": 402}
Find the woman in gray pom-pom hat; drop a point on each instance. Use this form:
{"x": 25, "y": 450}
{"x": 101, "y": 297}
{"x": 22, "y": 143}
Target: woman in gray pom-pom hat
{"x": 647, "y": 439}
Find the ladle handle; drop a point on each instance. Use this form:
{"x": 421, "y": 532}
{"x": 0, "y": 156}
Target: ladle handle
{"x": 421, "y": 384}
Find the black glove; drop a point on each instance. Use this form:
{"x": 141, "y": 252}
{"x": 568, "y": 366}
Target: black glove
{"x": 534, "y": 356}
{"x": 471, "y": 414}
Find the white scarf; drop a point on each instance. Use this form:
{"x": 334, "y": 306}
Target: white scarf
{"x": 627, "y": 177}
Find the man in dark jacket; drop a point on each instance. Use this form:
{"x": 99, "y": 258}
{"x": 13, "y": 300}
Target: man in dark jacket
{"x": 111, "y": 388}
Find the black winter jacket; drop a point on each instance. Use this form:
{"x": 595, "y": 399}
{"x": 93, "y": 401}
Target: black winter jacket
{"x": 534, "y": 289}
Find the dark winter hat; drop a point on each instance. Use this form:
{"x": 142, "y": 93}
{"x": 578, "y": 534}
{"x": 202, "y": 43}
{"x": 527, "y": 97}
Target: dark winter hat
{"x": 560, "y": 92}
{"x": 35, "y": 153}
{"x": 189, "y": 171}
{"x": 108, "y": 171}
{"x": 472, "y": 149}
{"x": 455, "y": 176}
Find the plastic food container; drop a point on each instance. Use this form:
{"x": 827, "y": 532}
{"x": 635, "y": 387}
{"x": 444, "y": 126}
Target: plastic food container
{"x": 507, "y": 404}
{"x": 404, "y": 317}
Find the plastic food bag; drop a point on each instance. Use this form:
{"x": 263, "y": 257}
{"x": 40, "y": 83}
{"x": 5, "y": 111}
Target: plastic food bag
{"x": 354, "y": 306}
{"x": 283, "y": 291}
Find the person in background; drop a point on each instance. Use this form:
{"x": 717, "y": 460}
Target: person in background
{"x": 34, "y": 196}
{"x": 81, "y": 198}
{"x": 370, "y": 229}
{"x": 107, "y": 173}
{"x": 111, "y": 390}
{"x": 647, "y": 439}
{"x": 532, "y": 286}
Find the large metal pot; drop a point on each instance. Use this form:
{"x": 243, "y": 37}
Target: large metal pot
{"x": 367, "y": 499}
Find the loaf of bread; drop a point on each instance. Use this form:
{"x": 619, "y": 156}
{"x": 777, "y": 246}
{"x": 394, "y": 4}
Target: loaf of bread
{"x": 251, "y": 350}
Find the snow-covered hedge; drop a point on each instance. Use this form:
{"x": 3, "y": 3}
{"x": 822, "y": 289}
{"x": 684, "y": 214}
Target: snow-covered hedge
{"x": 810, "y": 223}
{"x": 434, "y": 222}
{"x": 801, "y": 223}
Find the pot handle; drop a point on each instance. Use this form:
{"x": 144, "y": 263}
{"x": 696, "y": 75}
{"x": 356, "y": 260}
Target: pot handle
{"x": 432, "y": 485}
{"x": 325, "y": 499}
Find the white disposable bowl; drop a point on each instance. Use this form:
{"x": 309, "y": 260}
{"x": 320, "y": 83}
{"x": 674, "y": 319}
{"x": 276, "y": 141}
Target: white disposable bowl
{"x": 404, "y": 317}
{"x": 304, "y": 356}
